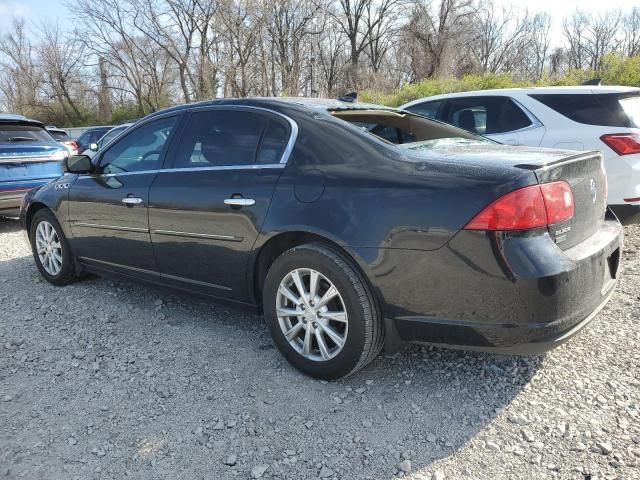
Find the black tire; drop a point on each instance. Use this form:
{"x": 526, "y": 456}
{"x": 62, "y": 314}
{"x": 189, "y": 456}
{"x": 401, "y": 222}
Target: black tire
{"x": 67, "y": 272}
{"x": 365, "y": 328}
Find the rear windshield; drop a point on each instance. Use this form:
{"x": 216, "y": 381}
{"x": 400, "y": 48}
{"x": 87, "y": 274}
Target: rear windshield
{"x": 606, "y": 109}
{"x": 60, "y": 136}
{"x": 23, "y": 134}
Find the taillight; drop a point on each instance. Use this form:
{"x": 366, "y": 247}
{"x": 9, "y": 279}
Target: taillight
{"x": 622, "y": 143}
{"x": 526, "y": 208}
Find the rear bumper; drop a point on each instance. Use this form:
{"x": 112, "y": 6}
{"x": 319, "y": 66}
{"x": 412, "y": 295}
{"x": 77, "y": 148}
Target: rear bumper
{"x": 10, "y": 201}
{"x": 506, "y": 293}
{"x": 626, "y": 213}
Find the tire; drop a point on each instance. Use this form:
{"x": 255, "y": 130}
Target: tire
{"x": 358, "y": 340}
{"x": 65, "y": 271}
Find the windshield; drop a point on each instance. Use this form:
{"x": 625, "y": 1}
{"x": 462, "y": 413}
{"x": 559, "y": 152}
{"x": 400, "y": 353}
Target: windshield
{"x": 23, "y": 134}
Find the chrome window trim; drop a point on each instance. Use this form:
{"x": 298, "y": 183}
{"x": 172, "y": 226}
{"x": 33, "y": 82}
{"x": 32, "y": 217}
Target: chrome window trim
{"x": 192, "y": 169}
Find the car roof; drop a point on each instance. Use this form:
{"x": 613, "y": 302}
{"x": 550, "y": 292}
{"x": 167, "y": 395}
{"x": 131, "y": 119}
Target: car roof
{"x": 19, "y": 119}
{"x": 307, "y": 103}
{"x": 566, "y": 90}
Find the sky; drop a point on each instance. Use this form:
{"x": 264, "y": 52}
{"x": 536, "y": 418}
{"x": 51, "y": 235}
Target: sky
{"x": 54, "y": 10}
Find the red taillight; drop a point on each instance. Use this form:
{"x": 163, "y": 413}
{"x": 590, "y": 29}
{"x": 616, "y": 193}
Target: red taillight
{"x": 73, "y": 144}
{"x": 622, "y": 143}
{"x": 526, "y": 208}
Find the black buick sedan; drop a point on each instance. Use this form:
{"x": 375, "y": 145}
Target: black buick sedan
{"x": 352, "y": 227}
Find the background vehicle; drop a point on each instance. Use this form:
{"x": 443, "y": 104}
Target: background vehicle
{"x": 576, "y": 118}
{"x": 106, "y": 138}
{"x": 61, "y": 136}
{"x": 343, "y": 239}
{"x": 29, "y": 157}
{"x": 91, "y": 135}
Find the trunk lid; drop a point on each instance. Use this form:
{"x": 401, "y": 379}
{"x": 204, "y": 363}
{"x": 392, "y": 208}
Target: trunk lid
{"x": 586, "y": 175}
{"x": 583, "y": 171}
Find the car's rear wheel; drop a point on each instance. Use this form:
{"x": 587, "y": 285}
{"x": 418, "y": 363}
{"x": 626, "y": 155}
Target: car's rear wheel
{"x": 321, "y": 312}
{"x": 51, "y": 249}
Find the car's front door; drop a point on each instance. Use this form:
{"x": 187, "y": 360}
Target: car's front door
{"x": 207, "y": 209}
{"x": 108, "y": 210}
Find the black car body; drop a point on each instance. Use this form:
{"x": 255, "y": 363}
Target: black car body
{"x": 29, "y": 158}
{"x": 406, "y": 221}
{"x": 91, "y": 135}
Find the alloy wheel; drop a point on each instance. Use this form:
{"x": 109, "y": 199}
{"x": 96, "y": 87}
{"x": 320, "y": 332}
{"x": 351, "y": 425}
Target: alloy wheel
{"x": 49, "y": 248}
{"x": 312, "y": 314}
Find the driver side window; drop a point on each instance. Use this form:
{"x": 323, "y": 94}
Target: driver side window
{"x": 140, "y": 149}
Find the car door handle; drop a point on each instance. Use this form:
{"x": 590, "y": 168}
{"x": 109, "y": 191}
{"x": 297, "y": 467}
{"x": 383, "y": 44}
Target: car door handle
{"x": 132, "y": 201}
{"x": 239, "y": 202}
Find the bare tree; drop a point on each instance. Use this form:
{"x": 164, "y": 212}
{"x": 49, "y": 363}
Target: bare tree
{"x": 438, "y": 31}
{"x": 22, "y": 78}
{"x": 61, "y": 57}
{"x": 360, "y": 21}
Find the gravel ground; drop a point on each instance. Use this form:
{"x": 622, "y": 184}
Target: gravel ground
{"x": 103, "y": 379}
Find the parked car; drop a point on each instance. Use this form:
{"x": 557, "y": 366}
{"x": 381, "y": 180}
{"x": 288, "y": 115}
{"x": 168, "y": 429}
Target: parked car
{"x": 29, "y": 157}
{"x": 575, "y": 118}
{"x": 106, "y": 138}
{"x": 61, "y": 136}
{"x": 91, "y": 135}
{"x": 344, "y": 240}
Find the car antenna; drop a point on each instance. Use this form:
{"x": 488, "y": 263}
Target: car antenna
{"x": 350, "y": 97}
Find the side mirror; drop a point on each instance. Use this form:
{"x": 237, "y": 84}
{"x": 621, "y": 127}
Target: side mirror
{"x": 93, "y": 147}
{"x": 78, "y": 164}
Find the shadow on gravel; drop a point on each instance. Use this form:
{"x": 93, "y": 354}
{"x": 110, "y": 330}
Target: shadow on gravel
{"x": 9, "y": 225}
{"x": 215, "y": 364}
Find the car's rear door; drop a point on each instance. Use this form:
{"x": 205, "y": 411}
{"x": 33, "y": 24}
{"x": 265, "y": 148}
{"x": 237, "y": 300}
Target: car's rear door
{"x": 108, "y": 210}
{"x": 497, "y": 117}
{"x": 207, "y": 209}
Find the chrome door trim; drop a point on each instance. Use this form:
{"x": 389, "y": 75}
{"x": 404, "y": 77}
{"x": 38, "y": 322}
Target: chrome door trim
{"x": 109, "y": 227}
{"x": 171, "y": 233}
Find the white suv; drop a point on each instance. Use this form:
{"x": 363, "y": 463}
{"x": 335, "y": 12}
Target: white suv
{"x": 574, "y": 118}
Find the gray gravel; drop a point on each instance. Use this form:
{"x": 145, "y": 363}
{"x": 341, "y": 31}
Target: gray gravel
{"x": 102, "y": 379}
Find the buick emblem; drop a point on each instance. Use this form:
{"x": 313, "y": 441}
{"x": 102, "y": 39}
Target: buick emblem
{"x": 594, "y": 191}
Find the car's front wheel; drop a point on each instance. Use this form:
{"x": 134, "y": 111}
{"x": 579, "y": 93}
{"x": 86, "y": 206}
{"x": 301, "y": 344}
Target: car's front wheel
{"x": 321, "y": 312}
{"x": 50, "y": 249}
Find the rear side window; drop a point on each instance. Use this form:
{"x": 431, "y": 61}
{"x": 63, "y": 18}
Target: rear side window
{"x": 486, "y": 115}
{"x": 23, "y": 134}
{"x": 427, "y": 109}
{"x": 60, "y": 136}
{"x": 606, "y": 109}
{"x": 274, "y": 141}
{"x": 217, "y": 138}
